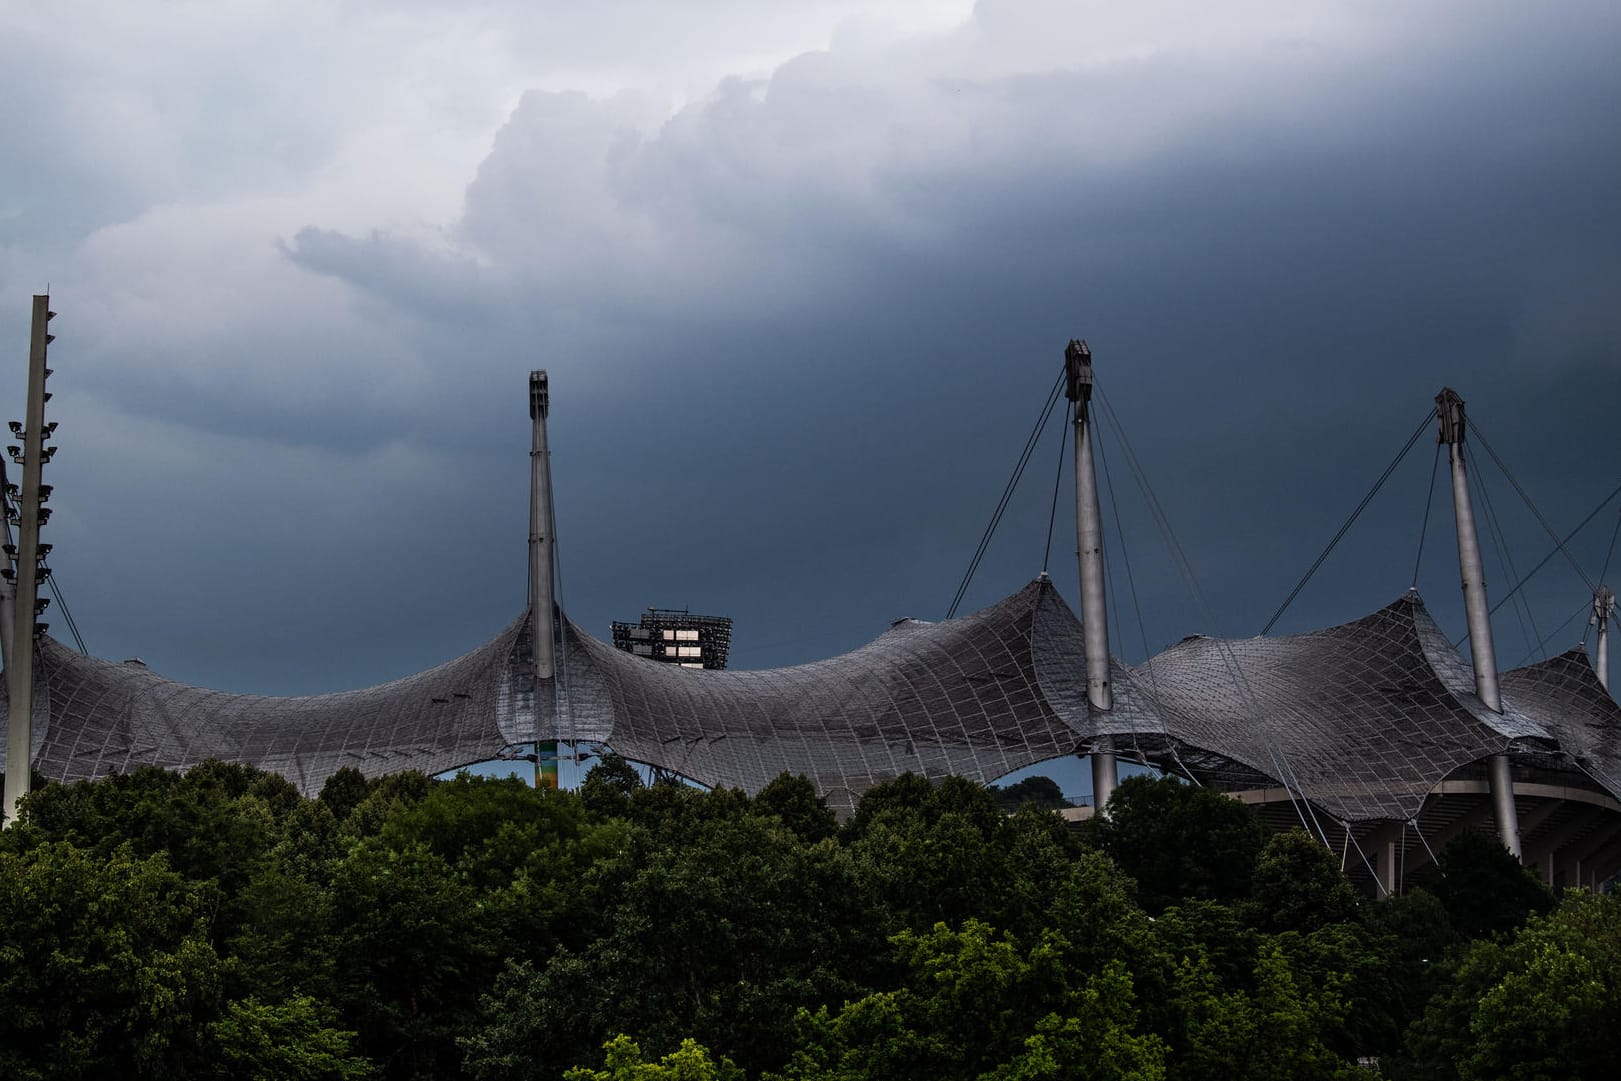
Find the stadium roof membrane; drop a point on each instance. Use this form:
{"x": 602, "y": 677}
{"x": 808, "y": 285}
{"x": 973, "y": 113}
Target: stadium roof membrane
{"x": 1363, "y": 719}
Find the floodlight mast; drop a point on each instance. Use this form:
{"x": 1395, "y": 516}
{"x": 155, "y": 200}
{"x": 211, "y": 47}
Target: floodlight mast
{"x": 1089, "y": 551}
{"x": 1449, "y": 411}
{"x": 20, "y": 651}
{"x": 542, "y": 629}
{"x": 1603, "y": 610}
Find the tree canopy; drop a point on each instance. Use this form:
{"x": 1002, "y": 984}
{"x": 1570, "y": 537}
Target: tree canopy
{"x": 215, "y": 924}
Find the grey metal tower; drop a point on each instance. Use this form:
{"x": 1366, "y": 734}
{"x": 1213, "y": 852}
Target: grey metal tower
{"x": 1449, "y": 410}
{"x": 542, "y": 591}
{"x": 1089, "y": 551}
{"x": 1603, "y": 611}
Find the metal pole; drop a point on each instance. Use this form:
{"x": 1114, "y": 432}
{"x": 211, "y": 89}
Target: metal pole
{"x": 8, "y": 608}
{"x": 1089, "y": 551}
{"x": 1449, "y": 410}
{"x": 1603, "y": 609}
{"x": 20, "y": 670}
{"x": 541, "y": 590}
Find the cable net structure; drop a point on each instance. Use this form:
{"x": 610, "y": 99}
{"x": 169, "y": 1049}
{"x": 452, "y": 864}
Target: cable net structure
{"x": 1363, "y": 720}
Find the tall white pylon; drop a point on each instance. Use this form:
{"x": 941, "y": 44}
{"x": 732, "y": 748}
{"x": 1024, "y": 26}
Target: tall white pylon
{"x": 1089, "y": 550}
{"x": 1449, "y": 410}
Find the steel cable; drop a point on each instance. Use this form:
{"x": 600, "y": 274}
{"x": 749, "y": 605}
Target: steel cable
{"x": 1544, "y": 561}
{"x": 1349, "y": 522}
{"x": 1007, "y": 494}
{"x": 1058, "y": 480}
{"x": 1481, "y": 436}
{"x": 1429, "y": 502}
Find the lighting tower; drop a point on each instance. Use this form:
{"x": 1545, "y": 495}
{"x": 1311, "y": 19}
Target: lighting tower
{"x": 1089, "y": 550}
{"x": 26, "y": 565}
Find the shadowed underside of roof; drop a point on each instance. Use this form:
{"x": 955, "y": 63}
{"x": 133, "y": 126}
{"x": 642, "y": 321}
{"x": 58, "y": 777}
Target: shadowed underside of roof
{"x": 1363, "y": 719}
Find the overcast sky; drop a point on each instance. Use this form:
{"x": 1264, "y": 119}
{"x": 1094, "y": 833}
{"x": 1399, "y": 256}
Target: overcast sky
{"x": 802, "y": 274}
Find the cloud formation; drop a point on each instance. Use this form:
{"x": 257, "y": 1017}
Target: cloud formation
{"x": 798, "y": 316}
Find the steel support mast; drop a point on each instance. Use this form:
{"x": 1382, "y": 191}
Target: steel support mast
{"x": 542, "y": 593}
{"x": 20, "y": 657}
{"x": 1089, "y": 551}
{"x": 1449, "y": 410}
{"x": 1603, "y": 610}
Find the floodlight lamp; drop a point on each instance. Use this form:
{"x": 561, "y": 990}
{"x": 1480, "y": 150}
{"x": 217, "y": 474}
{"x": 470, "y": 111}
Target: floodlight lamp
{"x": 42, "y": 551}
{"x": 44, "y": 515}
{"x": 15, "y": 452}
{"x": 41, "y": 604}
{"x": 46, "y": 455}
{"x": 8, "y": 574}
{"x": 50, "y": 430}
{"x": 16, "y": 427}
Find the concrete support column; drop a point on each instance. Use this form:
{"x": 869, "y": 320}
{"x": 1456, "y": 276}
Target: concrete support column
{"x": 1449, "y": 410}
{"x": 1387, "y": 850}
{"x": 1089, "y": 551}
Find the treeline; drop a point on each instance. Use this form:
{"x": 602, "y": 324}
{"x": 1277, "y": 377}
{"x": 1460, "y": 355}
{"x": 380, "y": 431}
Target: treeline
{"x": 218, "y": 925}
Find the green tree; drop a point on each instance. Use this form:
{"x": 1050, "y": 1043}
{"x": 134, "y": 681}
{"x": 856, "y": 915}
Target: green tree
{"x": 385, "y": 797}
{"x": 609, "y": 785}
{"x": 105, "y": 965}
{"x": 286, "y": 1041}
{"x": 721, "y": 932}
{"x": 976, "y": 1005}
{"x": 1298, "y": 886}
{"x": 1041, "y": 791}
{"x": 411, "y": 952}
{"x": 1544, "y": 1004}
{"x": 1275, "y": 1033}
{"x": 1180, "y": 841}
{"x": 1484, "y": 889}
{"x": 624, "y": 1062}
{"x": 794, "y": 801}
{"x": 344, "y": 791}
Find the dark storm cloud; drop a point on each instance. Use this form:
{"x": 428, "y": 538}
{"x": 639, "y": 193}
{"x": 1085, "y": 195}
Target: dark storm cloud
{"x": 798, "y": 330}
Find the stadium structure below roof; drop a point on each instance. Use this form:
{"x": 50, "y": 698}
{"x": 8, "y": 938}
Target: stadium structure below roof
{"x": 1365, "y": 725}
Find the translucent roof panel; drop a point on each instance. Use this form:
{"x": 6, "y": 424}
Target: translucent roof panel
{"x": 1364, "y": 719}
{"x": 978, "y": 696}
{"x": 1563, "y": 694}
{"x": 96, "y": 717}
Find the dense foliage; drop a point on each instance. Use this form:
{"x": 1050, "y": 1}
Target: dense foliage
{"x": 217, "y": 925}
